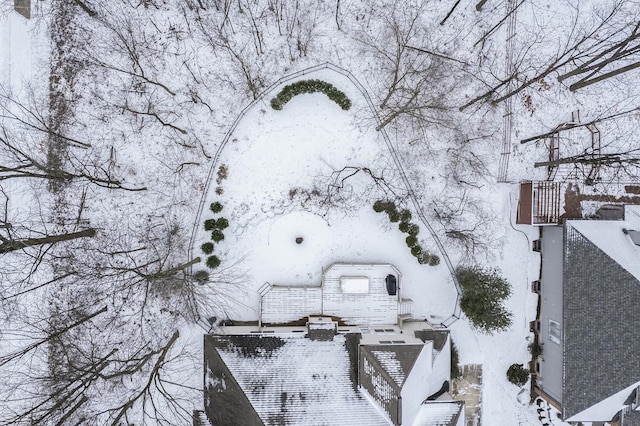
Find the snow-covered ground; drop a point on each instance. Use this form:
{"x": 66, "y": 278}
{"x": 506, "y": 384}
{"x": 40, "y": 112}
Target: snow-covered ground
{"x": 311, "y": 170}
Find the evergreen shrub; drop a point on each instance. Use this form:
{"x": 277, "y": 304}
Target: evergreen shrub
{"x": 217, "y": 235}
{"x": 216, "y": 207}
{"x": 213, "y": 262}
{"x": 517, "y": 374}
{"x": 483, "y": 291}
{"x": 310, "y": 86}
{"x": 209, "y": 224}
{"x": 207, "y": 248}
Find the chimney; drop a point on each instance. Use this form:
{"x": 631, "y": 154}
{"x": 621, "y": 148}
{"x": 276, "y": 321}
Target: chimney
{"x": 321, "y": 328}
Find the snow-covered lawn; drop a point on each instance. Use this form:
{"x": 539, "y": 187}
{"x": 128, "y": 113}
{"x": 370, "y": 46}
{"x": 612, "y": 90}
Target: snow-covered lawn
{"x": 283, "y": 183}
{"x": 311, "y": 170}
{"x": 276, "y": 159}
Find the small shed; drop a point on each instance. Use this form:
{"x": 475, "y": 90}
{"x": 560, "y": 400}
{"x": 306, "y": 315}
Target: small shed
{"x": 354, "y": 285}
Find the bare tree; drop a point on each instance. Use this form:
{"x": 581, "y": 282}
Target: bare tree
{"x": 415, "y": 76}
{"x": 611, "y": 40}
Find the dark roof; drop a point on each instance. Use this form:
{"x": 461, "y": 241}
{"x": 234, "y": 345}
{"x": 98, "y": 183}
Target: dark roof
{"x": 284, "y": 380}
{"x": 224, "y": 400}
{"x": 601, "y": 322}
{"x": 438, "y": 337}
{"x": 632, "y": 418}
{"x": 396, "y": 360}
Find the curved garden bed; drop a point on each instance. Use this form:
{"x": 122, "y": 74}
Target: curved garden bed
{"x": 310, "y": 86}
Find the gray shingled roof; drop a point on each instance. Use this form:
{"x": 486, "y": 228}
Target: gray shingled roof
{"x": 631, "y": 419}
{"x": 601, "y": 324}
{"x": 438, "y": 337}
{"x": 396, "y": 360}
{"x": 285, "y": 381}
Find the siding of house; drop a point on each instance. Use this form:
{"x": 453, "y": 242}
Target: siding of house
{"x": 550, "y": 376}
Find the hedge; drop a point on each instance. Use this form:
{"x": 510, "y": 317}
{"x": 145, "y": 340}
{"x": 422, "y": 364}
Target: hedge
{"x": 310, "y": 86}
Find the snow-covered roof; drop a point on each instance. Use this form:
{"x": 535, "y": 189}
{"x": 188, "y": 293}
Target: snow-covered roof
{"x": 293, "y": 380}
{"x": 397, "y": 361}
{"x": 607, "y": 409}
{"x": 438, "y": 413}
{"x": 601, "y": 295}
{"x": 610, "y": 238}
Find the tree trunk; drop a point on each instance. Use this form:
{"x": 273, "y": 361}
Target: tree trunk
{"x": 585, "y": 83}
{"x": 174, "y": 270}
{"x": 12, "y": 245}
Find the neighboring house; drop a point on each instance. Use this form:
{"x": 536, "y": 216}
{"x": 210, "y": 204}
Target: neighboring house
{"x": 589, "y": 320}
{"x": 325, "y": 370}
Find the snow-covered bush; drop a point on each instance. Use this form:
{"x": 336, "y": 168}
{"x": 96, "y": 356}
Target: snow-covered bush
{"x": 310, "y": 86}
{"x": 201, "y": 276}
{"x": 426, "y": 258}
{"x": 222, "y": 223}
{"x": 411, "y": 241}
{"x": 413, "y": 229}
{"x": 216, "y": 207}
{"x": 517, "y": 374}
{"x": 483, "y": 291}
{"x": 213, "y": 262}
{"x": 209, "y": 224}
{"x": 207, "y": 248}
{"x": 217, "y": 235}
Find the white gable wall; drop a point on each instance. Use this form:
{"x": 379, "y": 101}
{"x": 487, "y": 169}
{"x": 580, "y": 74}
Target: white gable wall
{"x": 441, "y": 367}
{"x": 417, "y": 387}
{"x": 431, "y": 370}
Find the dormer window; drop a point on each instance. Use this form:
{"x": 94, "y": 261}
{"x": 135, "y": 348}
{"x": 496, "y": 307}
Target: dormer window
{"x": 633, "y": 234}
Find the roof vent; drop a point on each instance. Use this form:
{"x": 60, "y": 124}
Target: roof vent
{"x": 633, "y": 234}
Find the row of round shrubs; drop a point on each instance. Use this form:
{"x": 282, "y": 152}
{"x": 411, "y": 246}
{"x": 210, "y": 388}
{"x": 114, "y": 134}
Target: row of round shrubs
{"x": 406, "y": 226}
{"x": 310, "y": 86}
{"x": 216, "y": 226}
